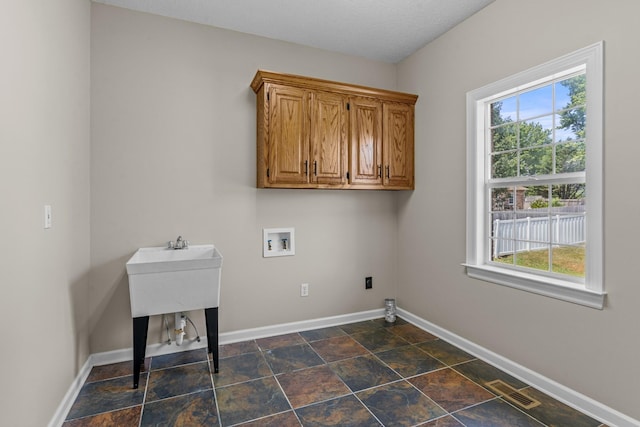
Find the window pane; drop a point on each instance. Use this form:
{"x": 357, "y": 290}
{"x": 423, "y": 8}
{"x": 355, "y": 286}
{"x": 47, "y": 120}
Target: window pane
{"x": 568, "y": 260}
{"x": 571, "y": 92}
{"x": 536, "y": 132}
{"x": 502, "y": 213}
{"x": 563, "y": 99}
{"x": 502, "y": 226}
{"x": 536, "y": 102}
{"x": 570, "y": 157}
{"x": 504, "y": 111}
{"x": 502, "y": 199}
{"x": 568, "y": 229}
{"x": 502, "y": 250}
{"x": 569, "y": 198}
{"x": 536, "y": 258}
{"x": 536, "y": 200}
{"x": 570, "y": 125}
{"x": 504, "y": 165}
{"x": 504, "y": 138}
{"x": 536, "y": 161}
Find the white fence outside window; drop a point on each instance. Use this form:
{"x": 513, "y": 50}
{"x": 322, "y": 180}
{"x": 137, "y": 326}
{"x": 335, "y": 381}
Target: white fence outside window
{"x": 529, "y": 234}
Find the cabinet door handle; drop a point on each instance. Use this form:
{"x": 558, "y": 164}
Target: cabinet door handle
{"x": 306, "y": 167}
{"x": 388, "y": 177}
{"x": 315, "y": 167}
{"x": 379, "y": 171}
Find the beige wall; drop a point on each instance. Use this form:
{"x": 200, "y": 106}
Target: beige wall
{"x": 591, "y": 351}
{"x": 173, "y": 152}
{"x": 44, "y": 154}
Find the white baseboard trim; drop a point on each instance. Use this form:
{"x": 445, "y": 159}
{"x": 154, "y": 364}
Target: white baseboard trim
{"x": 305, "y": 325}
{"x": 70, "y": 397}
{"x": 570, "y": 397}
{"x": 564, "y": 394}
{"x": 159, "y": 349}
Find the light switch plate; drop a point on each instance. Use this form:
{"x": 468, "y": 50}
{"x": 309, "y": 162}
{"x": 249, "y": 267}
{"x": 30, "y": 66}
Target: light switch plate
{"x": 47, "y": 216}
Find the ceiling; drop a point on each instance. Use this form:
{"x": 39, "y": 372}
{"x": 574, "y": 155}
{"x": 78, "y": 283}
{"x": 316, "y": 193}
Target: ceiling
{"x": 383, "y": 30}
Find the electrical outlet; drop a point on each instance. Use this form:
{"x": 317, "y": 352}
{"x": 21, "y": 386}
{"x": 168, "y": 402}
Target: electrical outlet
{"x": 368, "y": 282}
{"x": 304, "y": 290}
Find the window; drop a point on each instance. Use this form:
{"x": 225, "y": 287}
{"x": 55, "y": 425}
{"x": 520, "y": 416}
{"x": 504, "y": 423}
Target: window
{"x": 534, "y": 184}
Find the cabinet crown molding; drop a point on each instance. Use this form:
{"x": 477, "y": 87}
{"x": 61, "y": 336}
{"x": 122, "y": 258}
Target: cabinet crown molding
{"x": 263, "y": 76}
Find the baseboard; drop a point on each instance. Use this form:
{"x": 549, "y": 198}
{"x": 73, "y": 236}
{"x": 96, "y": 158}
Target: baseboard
{"x": 305, "y": 325}
{"x": 570, "y": 397}
{"x": 159, "y": 349}
{"x": 564, "y": 394}
{"x": 70, "y": 397}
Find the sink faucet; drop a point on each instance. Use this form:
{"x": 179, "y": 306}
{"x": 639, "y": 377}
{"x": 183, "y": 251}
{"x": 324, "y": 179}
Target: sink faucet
{"x": 179, "y": 244}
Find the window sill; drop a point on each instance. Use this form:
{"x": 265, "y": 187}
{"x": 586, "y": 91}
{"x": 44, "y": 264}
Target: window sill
{"x": 550, "y": 287}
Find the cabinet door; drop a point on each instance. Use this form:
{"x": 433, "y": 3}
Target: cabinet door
{"x": 398, "y": 145}
{"x": 288, "y": 135}
{"x": 366, "y": 141}
{"x": 328, "y": 138}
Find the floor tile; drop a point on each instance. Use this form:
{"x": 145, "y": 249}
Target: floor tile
{"x": 107, "y": 395}
{"x": 307, "y": 386}
{"x": 447, "y": 421}
{"x": 365, "y": 326}
{"x": 247, "y": 401}
{"x": 277, "y": 341}
{"x": 323, "y": 333}
{"x": 409, "y": 360}
{"x": 115, "y": 370}
{"x": 412, "y": 333}
{"x": 554, "y": 413}
{"x": 495, "y": 413}
{"x": 287, "y": 359}
{"x": 383, "y": 323}
{"x": 450, "y": 390}
{"x": 285, "y": 419}
{"x": 345, "y": 411}
{"x": 196, "y": 409}
{"x": 481, "y": 372}
{"x": 244, "y": 367}
{"x": 360, "y": 374}
{"x": 379, "y": 340}
{"x": 121, "y": 418}
{"x": 238, "y": 348}
{"x": 180, "y": 380}
{"x": 400, "y": 404}
{"x": 445, "y": 352}
{"x": 338, "y": 348}
{"x": 180, "y": 358}
{"x": 363, "y": 372}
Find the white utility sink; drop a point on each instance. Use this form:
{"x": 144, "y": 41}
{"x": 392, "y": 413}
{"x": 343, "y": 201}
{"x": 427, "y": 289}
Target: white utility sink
{"x": 163, "y": 280}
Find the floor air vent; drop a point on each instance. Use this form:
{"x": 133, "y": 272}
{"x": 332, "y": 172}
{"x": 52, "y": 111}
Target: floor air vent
{"x": 512, "y": 395}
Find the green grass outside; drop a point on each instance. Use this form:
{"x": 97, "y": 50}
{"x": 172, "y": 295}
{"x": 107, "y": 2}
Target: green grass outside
{"x": 566, "y": 260}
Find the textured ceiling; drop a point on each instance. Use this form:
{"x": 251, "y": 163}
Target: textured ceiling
{"x": 384, "y": 30}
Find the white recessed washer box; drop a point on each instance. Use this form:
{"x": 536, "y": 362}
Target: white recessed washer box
{"x": 278, "y": 242}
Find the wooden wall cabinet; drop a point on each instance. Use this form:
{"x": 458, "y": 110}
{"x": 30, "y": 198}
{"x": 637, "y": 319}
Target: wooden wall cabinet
{"x": 314, "y": 133}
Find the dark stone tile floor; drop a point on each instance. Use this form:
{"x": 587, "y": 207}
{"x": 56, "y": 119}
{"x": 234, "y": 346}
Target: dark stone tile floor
{"x": 360, "y": 374}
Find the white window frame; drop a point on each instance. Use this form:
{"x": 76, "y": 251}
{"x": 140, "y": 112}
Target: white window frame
{"x": 591, "y": 292}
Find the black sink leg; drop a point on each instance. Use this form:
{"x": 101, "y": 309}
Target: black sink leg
{"x": 140, "y": 329}
{"x": 211, "y": 317}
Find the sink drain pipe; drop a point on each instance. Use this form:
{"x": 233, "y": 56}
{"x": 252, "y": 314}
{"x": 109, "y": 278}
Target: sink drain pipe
{"x": 180, "y": 323}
